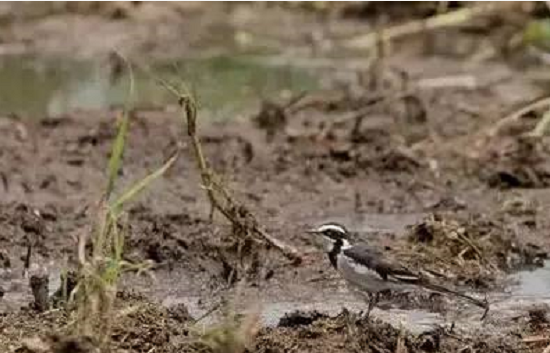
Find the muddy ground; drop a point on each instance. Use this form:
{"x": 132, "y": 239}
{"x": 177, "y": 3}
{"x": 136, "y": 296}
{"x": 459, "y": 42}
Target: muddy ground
{"x": 416, "y": 168}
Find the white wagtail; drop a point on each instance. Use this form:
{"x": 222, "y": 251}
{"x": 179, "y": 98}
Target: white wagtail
{"x": 370, "y": 272}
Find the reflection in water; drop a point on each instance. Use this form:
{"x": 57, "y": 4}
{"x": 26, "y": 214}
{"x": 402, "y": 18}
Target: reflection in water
{"x": 224, "y": 85}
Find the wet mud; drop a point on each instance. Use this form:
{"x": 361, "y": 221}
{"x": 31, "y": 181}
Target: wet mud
{"x": 416, "y": 171}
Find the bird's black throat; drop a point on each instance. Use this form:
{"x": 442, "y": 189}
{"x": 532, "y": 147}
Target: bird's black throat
{"x": 333, "y": 254}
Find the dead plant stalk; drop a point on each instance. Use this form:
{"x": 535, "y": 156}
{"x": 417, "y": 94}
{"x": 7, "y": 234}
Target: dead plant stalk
{"x": 219, "y": 197}
{"x": 449, "y": 19}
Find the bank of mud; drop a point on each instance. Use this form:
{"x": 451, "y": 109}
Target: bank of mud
{"x": 426, "y": 173}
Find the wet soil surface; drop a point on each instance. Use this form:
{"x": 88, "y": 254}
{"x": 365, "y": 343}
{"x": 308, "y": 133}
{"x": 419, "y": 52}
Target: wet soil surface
{"x": 416, "y": 171}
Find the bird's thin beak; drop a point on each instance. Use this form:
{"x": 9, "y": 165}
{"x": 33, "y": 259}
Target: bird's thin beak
{"x": 312, "y": 231}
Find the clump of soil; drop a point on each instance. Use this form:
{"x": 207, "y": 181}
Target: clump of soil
{"x": 20, "y": 221}
{"x": 472, "y": 250}
{"x": 372, "y": 151}
{"x": 146, "y": 327}
{"x": 539, "y": 318}
{"x": 300, "y": 318}
{"x": 535, "y": 327}
{"x": 54, "y": 343}
{"x": 24, "y": 226}
{"x": 138, "y": 326}
{"x": 271, "y": 118}
{"x": 164, "y": 238}
{"x": 351, "y": 333}
{"x": 344, "y": 333}
{"x": 516, "y": 162}
{"x": 195, "y": 244}
{"x": 354, "y": 131}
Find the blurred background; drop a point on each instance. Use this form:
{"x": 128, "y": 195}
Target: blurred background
{"x": 59, "y": 56}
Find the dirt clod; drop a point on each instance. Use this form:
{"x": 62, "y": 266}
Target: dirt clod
{"x": 271, "y": 118}
{"x": 39, "y": 285}
{"x": 299, "y": 318}
{"x": 59, "y": 344}
{"x": 516, "y": 162}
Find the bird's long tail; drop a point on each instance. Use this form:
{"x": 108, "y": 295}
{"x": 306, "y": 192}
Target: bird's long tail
{"x": 484, "y": 304}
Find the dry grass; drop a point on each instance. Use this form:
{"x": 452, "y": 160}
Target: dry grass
{"x": 99, "y": 270}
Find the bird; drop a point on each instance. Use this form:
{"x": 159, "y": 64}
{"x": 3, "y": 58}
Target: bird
{"x": 371, "y": 272}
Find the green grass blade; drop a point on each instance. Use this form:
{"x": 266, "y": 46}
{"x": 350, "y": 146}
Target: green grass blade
{"x": 120, "y": 141}
{"x": 134, "y": 190}
{"x": 116, "y": 154}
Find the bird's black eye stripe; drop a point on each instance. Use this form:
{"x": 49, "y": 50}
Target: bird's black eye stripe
{"x": 333, "y": 234}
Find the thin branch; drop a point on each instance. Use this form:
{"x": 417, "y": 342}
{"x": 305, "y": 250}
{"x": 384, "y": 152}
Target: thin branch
{"x": 536, "y": 339}
{"x": 517, "y": 114}
{"x": 452, "y": 81}
{"x": 454, "y": 18}
{"x": 542, "y": 126}
{"x": 219, "y": 197}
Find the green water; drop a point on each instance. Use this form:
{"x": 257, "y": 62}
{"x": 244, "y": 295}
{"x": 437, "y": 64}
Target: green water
{"x": 225, "y": 86}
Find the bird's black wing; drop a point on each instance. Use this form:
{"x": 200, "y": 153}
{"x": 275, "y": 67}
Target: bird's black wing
{"x": 375, "y": 260}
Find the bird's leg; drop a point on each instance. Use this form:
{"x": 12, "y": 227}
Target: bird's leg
{"x": 373, "y": 299}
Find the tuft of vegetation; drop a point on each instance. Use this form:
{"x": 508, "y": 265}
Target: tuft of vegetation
{"x": 100, "y": 255}
{"x": 232, "y": 335}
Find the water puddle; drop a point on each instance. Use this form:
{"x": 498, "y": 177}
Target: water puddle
{"x": 225, "y": 85}
{"x": 530, "y": 288}
{"x": 271, "y": 312}
{"x": 416, "y": 321}
{"x": 274, "y": 302}
{"x": 533, "y": 284}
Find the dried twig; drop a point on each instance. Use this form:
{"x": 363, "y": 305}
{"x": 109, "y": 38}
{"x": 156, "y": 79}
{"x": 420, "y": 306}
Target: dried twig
{"x": 542, "y": 126}
{"x": 219, "y": 197}
{"x": 454, "y": 18}
{"x": 517, "y": 114}
{"x": 536, "y": 339}
{"x": 451, "y": 81}
{"x": 358, "y": 115}
{"x": 470, "y": 243}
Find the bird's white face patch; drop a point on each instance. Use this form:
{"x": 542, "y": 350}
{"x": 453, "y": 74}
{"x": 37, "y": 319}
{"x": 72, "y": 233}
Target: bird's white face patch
{"x": 328, "y": 244}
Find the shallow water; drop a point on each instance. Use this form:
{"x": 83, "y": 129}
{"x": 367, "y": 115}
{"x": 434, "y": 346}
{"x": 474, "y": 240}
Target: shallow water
{"x": 224, "y": 85}
{"x": 533, "y": 284}
{"x": 527, "y": 288}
